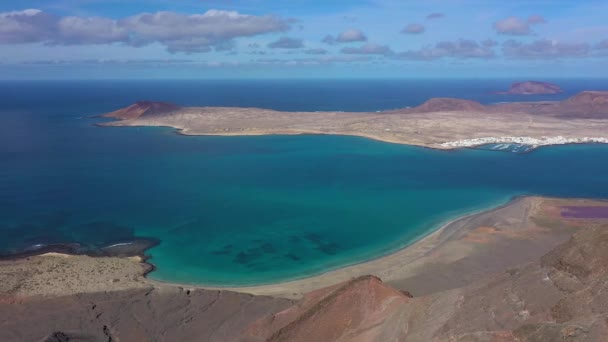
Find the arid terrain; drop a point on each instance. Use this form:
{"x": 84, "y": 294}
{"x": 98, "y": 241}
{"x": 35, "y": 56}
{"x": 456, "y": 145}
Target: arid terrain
{"x": 435, "y": 123}
{"x": 533, "y": 270}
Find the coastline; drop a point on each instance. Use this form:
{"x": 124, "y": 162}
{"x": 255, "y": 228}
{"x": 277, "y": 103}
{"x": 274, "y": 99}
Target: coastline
{"x": 184, "y": 132}
{"x": 533, "y": 142}
{"x": 468, "y": 246}
{"x": 382, "y": 266}
{"x": 391, "y": 266}
{"x": 438, "y": 123}
{"x": 452, "y": 145}
{"x": 123, "y": 249}
{"x": 453, "y": 255}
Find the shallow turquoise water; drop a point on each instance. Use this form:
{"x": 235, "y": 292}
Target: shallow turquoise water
{"x": 246, "y": 210}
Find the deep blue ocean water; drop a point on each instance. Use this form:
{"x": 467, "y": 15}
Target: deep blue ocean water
{"x": 245, "y": 210}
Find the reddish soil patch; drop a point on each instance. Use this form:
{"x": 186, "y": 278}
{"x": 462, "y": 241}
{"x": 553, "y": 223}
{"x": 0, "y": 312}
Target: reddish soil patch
{"x": 589, "y": 212}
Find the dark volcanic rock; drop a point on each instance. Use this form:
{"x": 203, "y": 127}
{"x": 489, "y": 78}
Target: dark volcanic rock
{"x": 533, "y": 88}
{"x": 121, "y": 248}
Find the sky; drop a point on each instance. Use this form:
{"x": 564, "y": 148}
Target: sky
{"x": 174, "y": 39}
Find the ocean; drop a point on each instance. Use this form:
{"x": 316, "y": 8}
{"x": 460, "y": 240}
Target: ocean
{"x": 254, "y": 210}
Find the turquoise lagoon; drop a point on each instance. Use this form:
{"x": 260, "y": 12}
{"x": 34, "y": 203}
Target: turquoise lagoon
{"x": 250, "y": 210}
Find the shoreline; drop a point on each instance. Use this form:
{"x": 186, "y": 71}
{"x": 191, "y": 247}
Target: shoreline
{"x": 122, "y": 249}
{"x": 437, "y": 228}
{"x": 438, "y": 123}
{"x": 399, "y": 257}
{"x": 408, "y": 260}
{"x": 446, "y": 146}
{"x": 527, "y": 141}
{"x": 417, "y": 267}
{"x": 438, "y": 146}
{"x": 303, "y": 284}
{"x": 184, "y": 132}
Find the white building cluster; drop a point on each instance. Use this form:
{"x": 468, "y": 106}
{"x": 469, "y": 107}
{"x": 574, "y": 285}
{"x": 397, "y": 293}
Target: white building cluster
{"x": 542, "y": 141}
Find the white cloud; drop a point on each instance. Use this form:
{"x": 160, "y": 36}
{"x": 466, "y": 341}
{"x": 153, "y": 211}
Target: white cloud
{"x": 26, "y": 26}
{"x": 518, "y": 27}
{"x": 413, "y": 29}
{"x": 536, "y": 19}
{"x": 435, "y": 16}
{"x": 348, "y": 36}
{"x": 76, "y": 30}
{"x": 545, "y": 49}
{"x": 178, "y": 32}
{"x": 368, "y": 49}
{"x": 462, "y": 48}
{"x": 351, "y": 36}
{"x": 512, "y": 26}
{"x": 316, "y": 51}
{"x": 286, "y": 43}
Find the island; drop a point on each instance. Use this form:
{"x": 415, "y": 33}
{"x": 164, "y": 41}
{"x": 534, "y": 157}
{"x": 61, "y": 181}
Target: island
{"x": 440, "y": 123}
{"x": 535, "y": 269}
{"x": 533, "y": 88}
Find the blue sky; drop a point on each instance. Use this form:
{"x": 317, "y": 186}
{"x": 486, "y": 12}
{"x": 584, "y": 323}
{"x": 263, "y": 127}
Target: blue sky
{"x": 80, "y": 39}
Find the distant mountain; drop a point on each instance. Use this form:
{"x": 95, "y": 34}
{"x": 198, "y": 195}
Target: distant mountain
{"x": 533, "y": 88}
{"x": 141, "y": 108}
{"x": 584, "y": 105}
{"x": 440, "y": 104}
